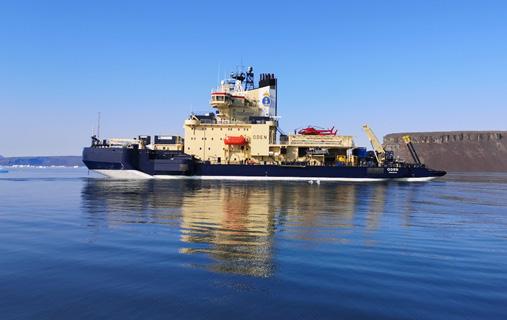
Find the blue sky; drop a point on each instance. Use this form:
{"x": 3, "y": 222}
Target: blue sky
{"x": 396, "y": 65}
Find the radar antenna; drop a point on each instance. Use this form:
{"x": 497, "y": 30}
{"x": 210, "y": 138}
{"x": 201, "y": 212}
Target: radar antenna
{"x": 249, "y": 83}
{"x": 247, "y": 79}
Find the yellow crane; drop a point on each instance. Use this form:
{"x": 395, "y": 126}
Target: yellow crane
{"x": 408, "y": 141}
{"x": 377, "y": 146}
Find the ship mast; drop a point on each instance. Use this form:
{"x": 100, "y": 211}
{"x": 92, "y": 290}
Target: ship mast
{"x": 98, "y": 125}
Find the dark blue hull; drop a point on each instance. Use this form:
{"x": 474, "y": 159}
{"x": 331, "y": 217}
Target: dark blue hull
{"x": 170, "y": 164}
{"x": 146, "y": 161}
{"x": 318, "y": 172}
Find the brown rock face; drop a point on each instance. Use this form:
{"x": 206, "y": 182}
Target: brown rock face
{"x": 454, "y": 150}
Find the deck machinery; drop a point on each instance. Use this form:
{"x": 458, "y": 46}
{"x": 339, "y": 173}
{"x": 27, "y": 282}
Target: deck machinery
{"x": 241, "y": 139}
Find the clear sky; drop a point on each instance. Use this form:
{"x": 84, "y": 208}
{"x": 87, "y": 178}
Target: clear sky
{"x": 396, "y": 65}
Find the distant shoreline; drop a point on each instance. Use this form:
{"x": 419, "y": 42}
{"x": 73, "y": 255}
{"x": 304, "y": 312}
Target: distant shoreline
{"x": 42, "y": 161}
{"x": 42, "y": 167}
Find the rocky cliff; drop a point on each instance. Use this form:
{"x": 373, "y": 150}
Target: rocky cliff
{"x": 454, "y": 150}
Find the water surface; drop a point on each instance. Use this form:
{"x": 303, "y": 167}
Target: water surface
{"x": 74, "y": 246}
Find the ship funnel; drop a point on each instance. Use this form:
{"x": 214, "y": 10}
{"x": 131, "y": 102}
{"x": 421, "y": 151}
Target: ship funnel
{"x": 267, "y": 79}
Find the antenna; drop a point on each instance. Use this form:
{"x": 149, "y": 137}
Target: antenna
{"x": 98, "y": 125}
{"x": 218, "y": 75}
{"x": 241, "y": 67}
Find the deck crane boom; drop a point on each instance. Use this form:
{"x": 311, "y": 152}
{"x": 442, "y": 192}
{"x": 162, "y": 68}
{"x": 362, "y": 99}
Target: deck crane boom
{"x": 377, "y": 146}
{"x": 411, "y": 149}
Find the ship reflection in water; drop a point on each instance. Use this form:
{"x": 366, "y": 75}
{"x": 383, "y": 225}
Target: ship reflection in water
{"x": 236, "y": 225}
{"x": 85, "y": 248}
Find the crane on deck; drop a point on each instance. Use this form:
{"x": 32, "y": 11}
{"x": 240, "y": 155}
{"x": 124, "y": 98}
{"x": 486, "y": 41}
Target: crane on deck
{"x": 408, "y": 141}
{"x": 377, "y": 146}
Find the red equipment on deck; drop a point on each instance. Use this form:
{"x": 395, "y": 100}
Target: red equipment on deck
{"x": 235, "y": 140}
{"x": 312, "y": 131}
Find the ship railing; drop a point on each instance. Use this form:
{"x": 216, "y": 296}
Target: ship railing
{"x": 231, "y": 122}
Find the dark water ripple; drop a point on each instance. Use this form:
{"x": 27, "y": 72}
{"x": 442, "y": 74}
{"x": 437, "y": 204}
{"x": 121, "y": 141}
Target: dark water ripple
{"x": 77, "y": 247}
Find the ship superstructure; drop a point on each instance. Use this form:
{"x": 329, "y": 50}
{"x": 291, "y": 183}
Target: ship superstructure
{"x": 240, "y": 138}
{"x": 244, "y": 129}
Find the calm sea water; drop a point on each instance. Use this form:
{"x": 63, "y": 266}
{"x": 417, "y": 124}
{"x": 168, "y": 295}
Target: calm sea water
{"x": 74, "y": 246}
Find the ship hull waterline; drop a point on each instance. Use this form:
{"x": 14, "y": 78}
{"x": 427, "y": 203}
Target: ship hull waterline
{"x": 138, "y": 175}
{"x": 121, "y": 163}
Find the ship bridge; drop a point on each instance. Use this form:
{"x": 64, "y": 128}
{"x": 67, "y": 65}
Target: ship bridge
{"x": 237, "y": 99}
